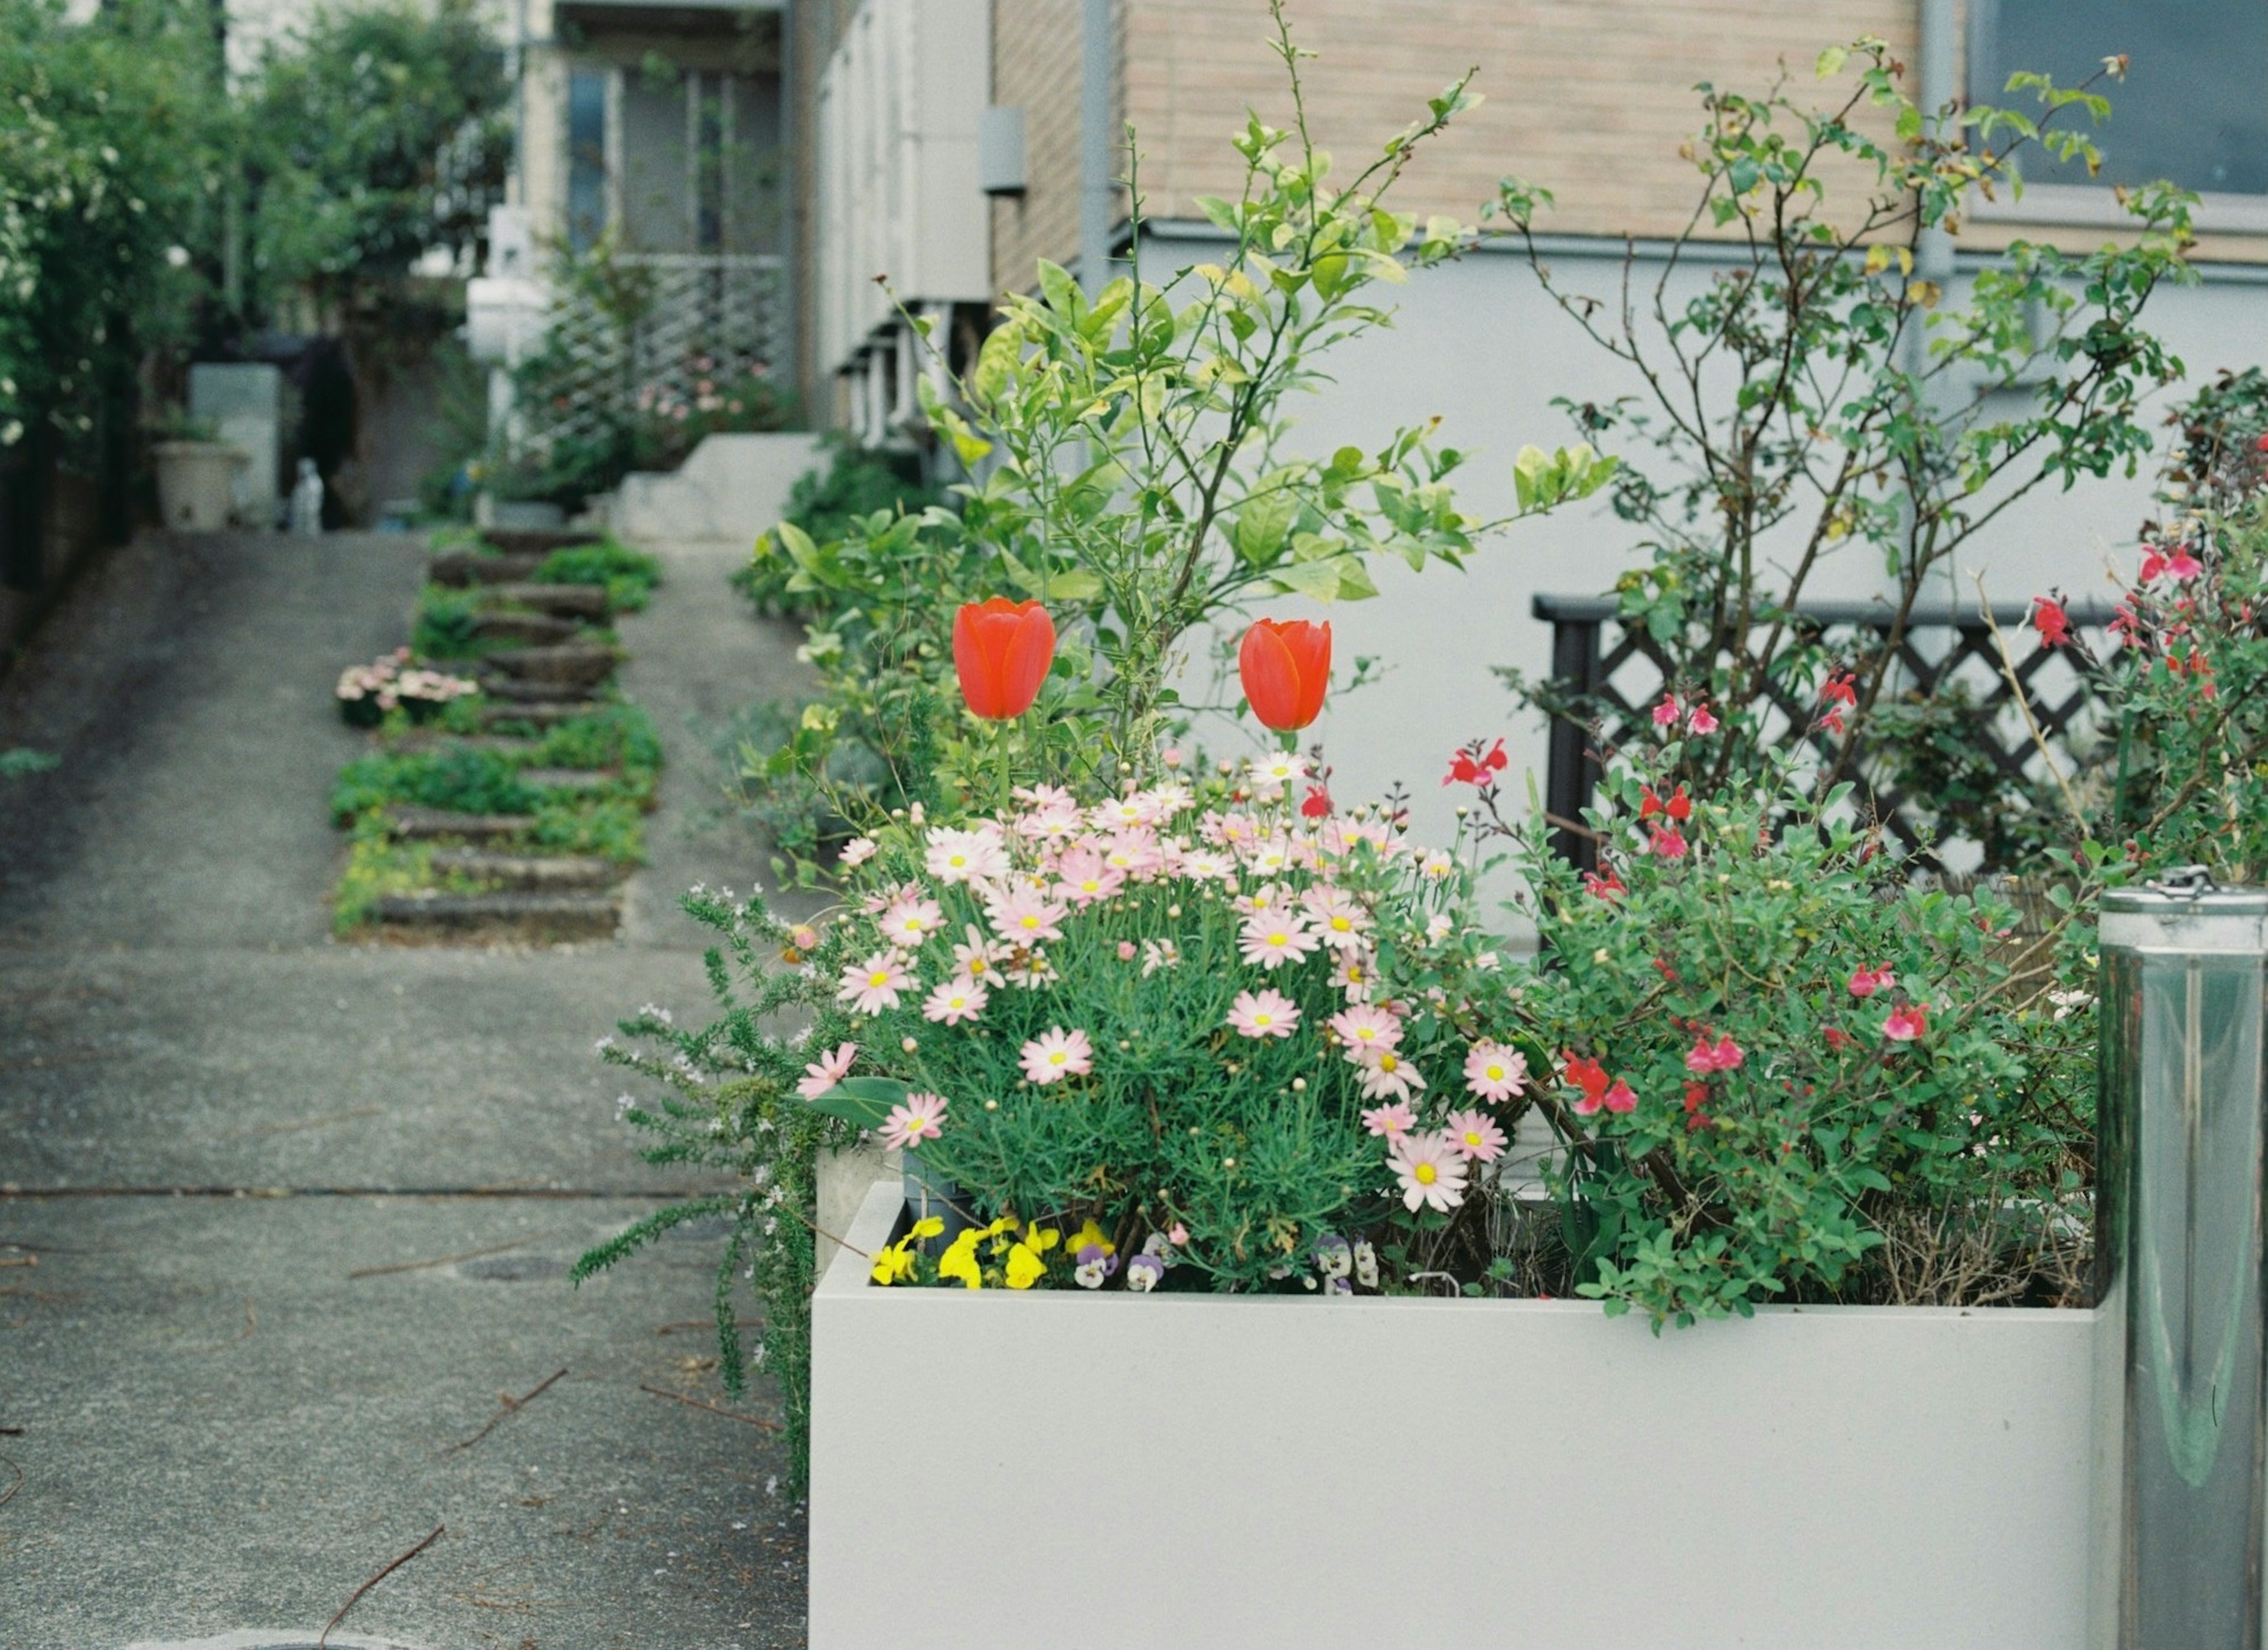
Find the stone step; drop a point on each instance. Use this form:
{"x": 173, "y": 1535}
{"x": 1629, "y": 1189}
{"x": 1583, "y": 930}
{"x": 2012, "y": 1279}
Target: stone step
{"x": 566, "y": 601}
{"x": 538, "y": 540}
{"x": 473, "y": 567}
{"x": 569, "y": 778}
{"x": 502, "y": 915}
{"x": 536, "y": 628}
{"x": 537, "y": 695}
{"x": 434, "y": 738}
{"x": 431, "y": 824}
{"x": 537, "y": 713}
{"x": 531, "y": 873}
{"x": 575, "y": 664}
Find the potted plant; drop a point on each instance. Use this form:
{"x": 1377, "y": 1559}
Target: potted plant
{"x": 196, "y": 474}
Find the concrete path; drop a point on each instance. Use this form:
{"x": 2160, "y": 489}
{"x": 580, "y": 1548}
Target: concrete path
{"x": 281, "y": 1218}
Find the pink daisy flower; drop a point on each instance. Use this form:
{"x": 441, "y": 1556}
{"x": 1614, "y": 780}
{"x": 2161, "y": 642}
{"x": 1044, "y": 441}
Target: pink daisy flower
{"x": 826, "y": 1070}
{"x": 1474, "y": 1136}
{"x": 1026, "y": 916}
{"x": 908, "y": 921}
{"x": 1083, "y": 878}
{"x": 1390, "y": 1120}
{"x": 966, "y": 856}
{"x": 1494, "y": 1073}
{"x": 978, "y": 960}
{"x": 1386, "y": 1074}
{"x": 1366, "y": 1028}
{"x": 1431, "y": 1172}
{"x": 857, "y": 851}
{"x": 1270, "y": 1014}
{"x": 914, "y": 1122}
{"x": 959, "y": 999}
{"x": 873, "y": 985}
{"x": 1338, "y": 918}
{"x": 1273, "y": 937}
{"x": 1056, "y": 1054}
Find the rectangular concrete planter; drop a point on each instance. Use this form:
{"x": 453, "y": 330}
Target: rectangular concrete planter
{"x": 993, "y": 1468}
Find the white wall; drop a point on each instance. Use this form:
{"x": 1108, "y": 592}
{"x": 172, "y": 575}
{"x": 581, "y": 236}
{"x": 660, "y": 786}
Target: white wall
{"x": 1478, "y": 343}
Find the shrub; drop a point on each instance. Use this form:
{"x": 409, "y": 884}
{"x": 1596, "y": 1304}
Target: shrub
{"x": 824, "y": 505}
{"x": 630, "y": 575}
{"x": 463, "y": 779}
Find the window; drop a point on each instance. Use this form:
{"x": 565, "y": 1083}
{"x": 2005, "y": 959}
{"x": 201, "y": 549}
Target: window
{"x": 2191, "y": 109}
{"x": 587, "y": 157}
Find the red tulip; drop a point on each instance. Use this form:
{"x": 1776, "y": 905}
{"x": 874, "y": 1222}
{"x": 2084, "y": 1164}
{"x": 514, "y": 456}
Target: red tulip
{"x": 1285, "y": 665}
{"x": 1001, "y": 651}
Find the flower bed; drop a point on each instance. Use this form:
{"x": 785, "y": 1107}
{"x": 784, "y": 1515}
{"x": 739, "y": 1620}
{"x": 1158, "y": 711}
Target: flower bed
{"x": 1847, "y": 1477}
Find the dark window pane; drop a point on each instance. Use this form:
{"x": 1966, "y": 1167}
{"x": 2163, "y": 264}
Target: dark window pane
{"x": 2193, "y": 107}
{"x": 586, "y": 156}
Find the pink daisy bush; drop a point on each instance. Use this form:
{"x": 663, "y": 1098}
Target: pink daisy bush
{"x": 1214, "y": 1006}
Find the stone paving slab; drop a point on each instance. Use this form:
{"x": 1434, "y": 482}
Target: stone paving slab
{"x": 222, "y": 1430}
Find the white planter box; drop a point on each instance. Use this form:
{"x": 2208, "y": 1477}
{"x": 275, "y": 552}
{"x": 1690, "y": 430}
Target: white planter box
{"x": 1000, "y": 1470}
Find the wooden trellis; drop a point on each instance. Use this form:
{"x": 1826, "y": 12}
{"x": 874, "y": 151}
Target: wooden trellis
{"x": 729, "y": 310}
{"x": 1613, "y": 686}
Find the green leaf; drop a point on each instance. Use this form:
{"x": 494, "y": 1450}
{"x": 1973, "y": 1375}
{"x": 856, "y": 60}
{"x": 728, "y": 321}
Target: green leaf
{"x": 1263, "y": 523}
{"x": 1060, "y": 291}
{"x": 864, "y": 1100}
{"x": 1076, "y": 585}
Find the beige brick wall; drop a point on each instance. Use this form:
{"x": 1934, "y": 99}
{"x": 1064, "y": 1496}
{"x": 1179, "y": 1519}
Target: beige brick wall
{"x": 1589, "y": 97}
{"x": 1035, "y": 67}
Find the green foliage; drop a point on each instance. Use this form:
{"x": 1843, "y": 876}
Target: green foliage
{"x": 445, "y": 625}
{"x": 825, "y": 506}
{"x": 376, "y": 867}
{"x": 607, "y": 827}
{"x": 630, "y": 575}
{"x": 727, "y": 1101}
{"x": 19, "y": 761}
{"x": 374, "y": 132}
{"x": 462, "y": 779}
{"x": 1822, "y": 397}
{"x": 1135, "y": 470}
{"x": 1831, "y": 1161}
{"x": 109, "y": 131}
{"x": 615, "y": 736}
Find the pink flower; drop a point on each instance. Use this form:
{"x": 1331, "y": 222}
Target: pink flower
{"x": 1430, "y": 1170}
{"x": 1337, "y": 918}
{"x": 1619, "y": 1099}
{"x": 1273, "y": 937}
{"x": 957, "y": 856}
{"x": 959, "y": 999}
{"x": 1056, "y": 1054}
{"x": 1867, "y": 981}
{"x": 908, "y": 921}
{"x": 1270, "y": 1014}
{"x": 914, "y": 1122}
{"x": 857, "y": 851}
{"x": 1494, "y": 1073}
{"x": 2051, "y": 622}
{"x": 1390, "y": 1120}
{"x": 1726, "y": 1056}
{"x": 1365, "y": 1029}
{"x": 1702, "y": 721}
{"x": 1905, "y": 1024}
{"x": 826, "y": 1070}
{"x": 1668, "y": 842}
{"x": 1475, "y": 1136}
{"x": 1666, "y": 713}
{"x": 2181, "y": 566}
{"x": 1083, "y": 877}
{"x": 1025, "y": 917}
{"x": 1128, "y": 951}
{"x": 1385, "y": 1073}
{"x": 873, "y": 985}
{"x": 977, "y": 959}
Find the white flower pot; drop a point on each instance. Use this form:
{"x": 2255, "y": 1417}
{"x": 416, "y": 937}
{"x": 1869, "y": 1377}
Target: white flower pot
{"x": 196, "y": 484}
{"x": 993, "y": 1468}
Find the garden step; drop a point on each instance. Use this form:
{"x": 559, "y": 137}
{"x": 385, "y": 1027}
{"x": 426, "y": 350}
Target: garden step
{"x": 428, "y": 824}
{"x": 569, "y": 778}
{"x": 578, "y": 602}
{"x": 530, "y": 873}
{"x": 538, "y": 713}
{"x": 435, "y": 739}
{"x": 538, "y": 627}
{"x": 538, "y": 696}
{"x": 473, "y": 567}
{"x": 578, "y": 664}
{"x": 503, "y": 915}
{"x": 538, "y": 540}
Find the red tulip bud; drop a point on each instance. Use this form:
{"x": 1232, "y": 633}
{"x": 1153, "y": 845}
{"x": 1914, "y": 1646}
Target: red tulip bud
{"x": 1285, "y": 665}
{"x": 1001, "y": 651}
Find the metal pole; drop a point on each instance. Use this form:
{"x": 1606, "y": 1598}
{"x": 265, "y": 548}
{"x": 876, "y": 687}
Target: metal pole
{"x": 1096, "y": 196}
{"x": 2180, "y": 1431}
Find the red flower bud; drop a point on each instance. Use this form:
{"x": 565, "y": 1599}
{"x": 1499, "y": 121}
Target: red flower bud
{"x": 1001, "y": 651}
{"x": 1285, "y": 665}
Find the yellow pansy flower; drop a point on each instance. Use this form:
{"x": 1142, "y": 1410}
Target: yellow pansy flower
{"x": 960, "y": 1260}
{"x": 1090, "y": 1236}
{"x": 1025, "y": 1267}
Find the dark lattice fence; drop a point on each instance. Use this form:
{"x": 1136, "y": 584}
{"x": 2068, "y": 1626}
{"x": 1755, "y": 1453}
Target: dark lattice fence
{"x": 1611, "y": 675}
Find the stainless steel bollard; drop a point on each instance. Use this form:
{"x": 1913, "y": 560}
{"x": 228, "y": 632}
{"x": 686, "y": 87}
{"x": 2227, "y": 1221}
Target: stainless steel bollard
{"x": 2182, "y": 1434}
